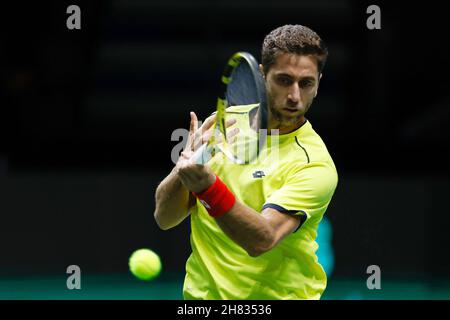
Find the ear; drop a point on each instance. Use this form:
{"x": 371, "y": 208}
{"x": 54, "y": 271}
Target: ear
{"x": 261, "y": 69}
{"x": 318, "y": 82}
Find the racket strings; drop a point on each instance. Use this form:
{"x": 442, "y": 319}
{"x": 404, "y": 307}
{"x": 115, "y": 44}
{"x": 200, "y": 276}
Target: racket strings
{"x": 242, "y": 89}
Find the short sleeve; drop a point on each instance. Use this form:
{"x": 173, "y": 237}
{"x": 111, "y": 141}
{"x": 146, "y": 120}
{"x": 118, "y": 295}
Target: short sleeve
{"x": 306, "y": 192}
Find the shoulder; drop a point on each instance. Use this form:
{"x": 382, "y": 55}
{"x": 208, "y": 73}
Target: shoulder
{"x": 308, "y": 141}
{"x": 316, "y": 180}
{"x": 309, "y": 158}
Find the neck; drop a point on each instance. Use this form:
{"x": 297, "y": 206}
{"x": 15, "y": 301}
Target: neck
{"x": 276, "y": 124}
{"x": 285, "y": 128}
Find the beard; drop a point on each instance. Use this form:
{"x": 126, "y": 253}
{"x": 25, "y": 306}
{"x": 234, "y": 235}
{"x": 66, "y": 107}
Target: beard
{"x": 283, "y": 120}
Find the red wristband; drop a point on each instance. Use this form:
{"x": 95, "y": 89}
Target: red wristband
{"x": 217, "y": 199}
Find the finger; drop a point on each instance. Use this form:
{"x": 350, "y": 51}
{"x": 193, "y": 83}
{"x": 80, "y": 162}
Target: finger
{"x": 230, "y": 122}
{"x": 232, "y": 133}
{"x": 198, "y": 137}
{"x": 187, "y": 154}
{"x": 197, "y": 140}
{"x": 232, "y": 140}
{"x": 183, "y": 155}
{"x": 207, "y": 134}
{"x": 208, "y": 122}
{"x": 194, "y": 122}
{"x": 193, "y": 126}
{"x": 232, "y": 136}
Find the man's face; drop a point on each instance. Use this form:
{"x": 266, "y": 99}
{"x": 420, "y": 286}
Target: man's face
{"x": 292, "y": 83}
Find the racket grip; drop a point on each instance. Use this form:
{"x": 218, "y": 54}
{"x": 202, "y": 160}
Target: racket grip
{"x": 202, "y": 155}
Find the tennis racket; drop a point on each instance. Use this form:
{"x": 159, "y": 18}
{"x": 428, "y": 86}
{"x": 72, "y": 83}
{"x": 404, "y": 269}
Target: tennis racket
{"x": 241, "y": 84}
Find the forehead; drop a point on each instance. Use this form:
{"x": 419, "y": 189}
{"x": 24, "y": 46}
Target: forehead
{"x": 295, "y": 65}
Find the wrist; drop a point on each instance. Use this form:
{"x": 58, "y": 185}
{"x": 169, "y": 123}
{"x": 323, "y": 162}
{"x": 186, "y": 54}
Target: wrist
{"x": 203, "y": 184}
{"x": 217, "y": 198}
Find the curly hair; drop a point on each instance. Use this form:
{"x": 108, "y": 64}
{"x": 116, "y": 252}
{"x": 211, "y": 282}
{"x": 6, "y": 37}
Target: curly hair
{"x": 293, "y": 39}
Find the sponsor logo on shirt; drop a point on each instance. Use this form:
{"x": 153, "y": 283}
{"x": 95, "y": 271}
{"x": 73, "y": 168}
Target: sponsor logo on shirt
{"x": 258, "y": 174}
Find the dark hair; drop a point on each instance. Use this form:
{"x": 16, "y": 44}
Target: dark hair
{"x": 293, "y": 39}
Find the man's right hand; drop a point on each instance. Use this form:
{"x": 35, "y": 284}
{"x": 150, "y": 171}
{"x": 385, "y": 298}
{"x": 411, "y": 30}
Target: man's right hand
{"x": 199, "y": 136}
{"x": 197, "y": 177}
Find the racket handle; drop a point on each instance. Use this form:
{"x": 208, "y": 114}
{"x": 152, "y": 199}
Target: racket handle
{"x": 202, "y": 155}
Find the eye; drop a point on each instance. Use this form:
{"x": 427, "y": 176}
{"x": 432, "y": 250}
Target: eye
{"x": 285, "y": 81}
{"x": 306, "y": 84}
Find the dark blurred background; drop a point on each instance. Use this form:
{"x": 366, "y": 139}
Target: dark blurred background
{"x": 87, "y": 117}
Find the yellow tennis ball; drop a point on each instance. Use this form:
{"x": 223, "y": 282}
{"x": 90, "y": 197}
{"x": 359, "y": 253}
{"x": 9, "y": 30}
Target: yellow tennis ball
{"x": 145, "y": 264}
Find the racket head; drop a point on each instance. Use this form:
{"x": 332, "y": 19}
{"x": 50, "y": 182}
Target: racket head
{"x": 243, "y": 84}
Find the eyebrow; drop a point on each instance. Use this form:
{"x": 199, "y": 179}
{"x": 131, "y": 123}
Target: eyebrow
{"x": 310, "y": 78}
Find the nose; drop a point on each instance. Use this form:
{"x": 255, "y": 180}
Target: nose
{"x": 294, "y": 93}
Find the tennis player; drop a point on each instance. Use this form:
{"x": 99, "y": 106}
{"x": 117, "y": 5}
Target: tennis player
{"x": 253, "y": 227}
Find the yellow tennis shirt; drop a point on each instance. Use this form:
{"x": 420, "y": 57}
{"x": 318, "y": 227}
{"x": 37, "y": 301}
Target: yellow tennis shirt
{"x": 294, "y": 175}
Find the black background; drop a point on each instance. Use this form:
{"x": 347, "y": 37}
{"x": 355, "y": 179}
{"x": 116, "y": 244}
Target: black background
{"x": 87, "y": 116}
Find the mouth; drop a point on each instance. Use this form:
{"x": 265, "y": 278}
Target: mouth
{"x": 291, "y": 110}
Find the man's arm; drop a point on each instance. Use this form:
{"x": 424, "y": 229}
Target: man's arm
{"x": 257, "y": 233}
{"x": 173, "y": 202}
{"x": 253, "y": 231}
{"x": 310, "y": 188}
{"x": 173, "y": 199}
